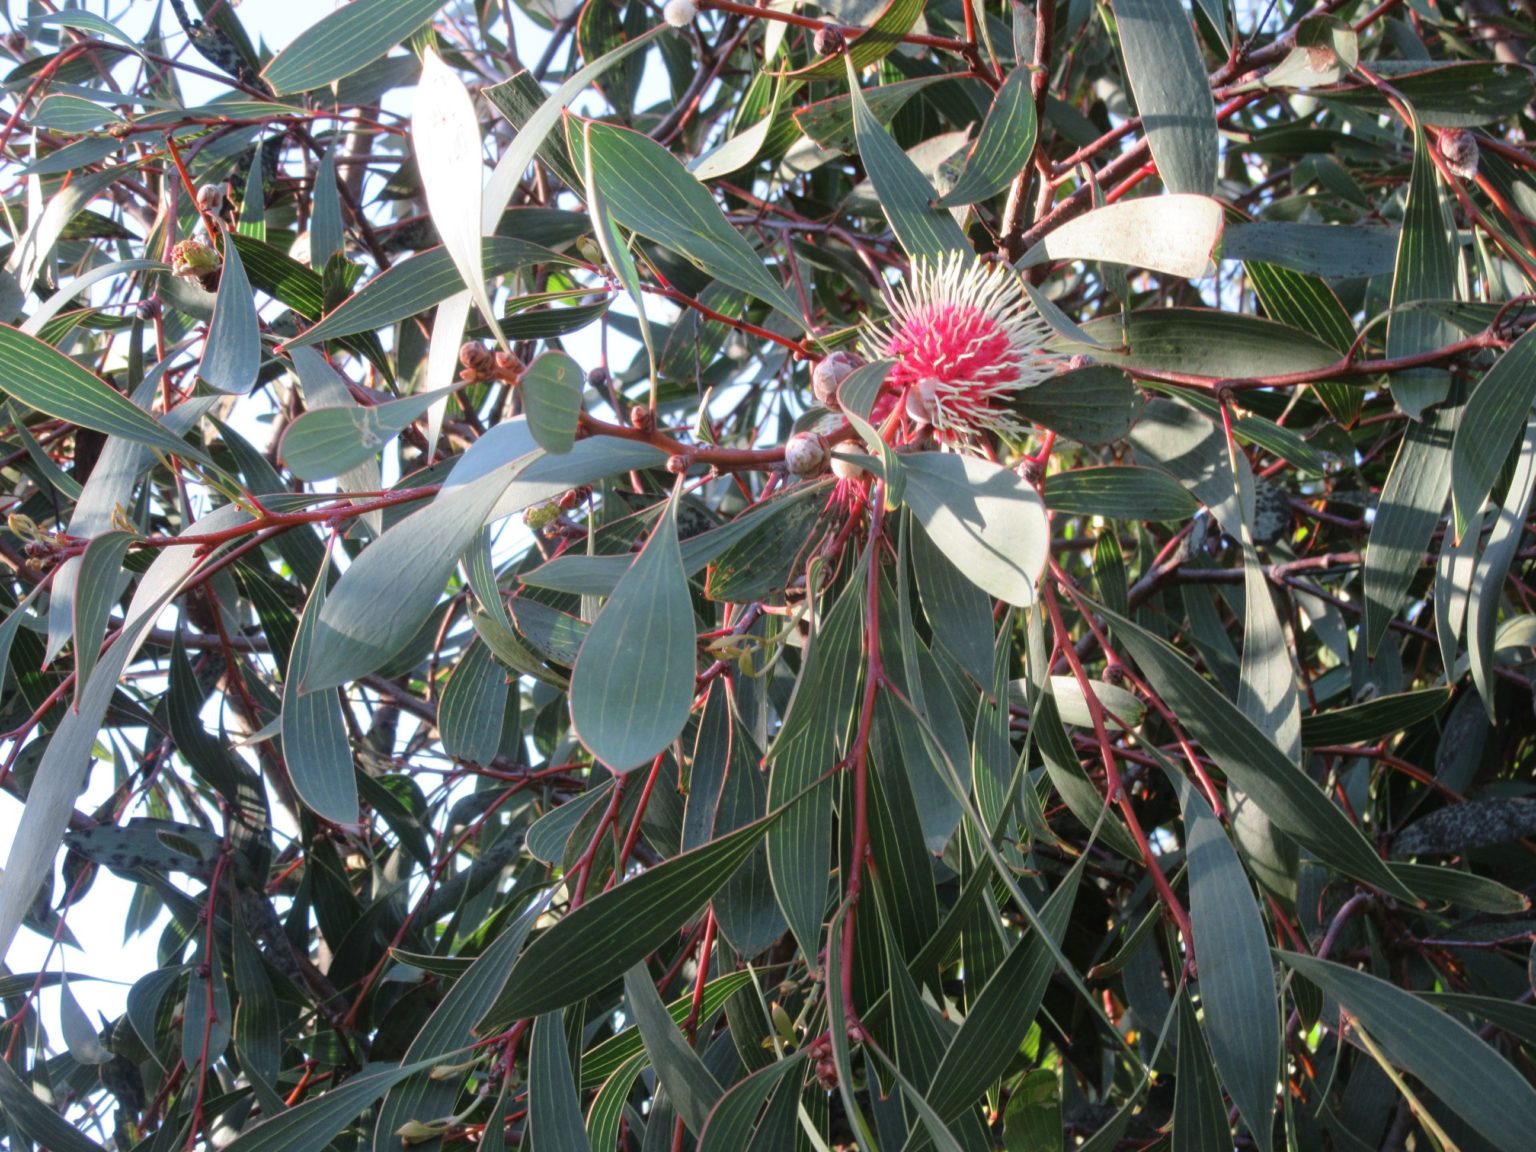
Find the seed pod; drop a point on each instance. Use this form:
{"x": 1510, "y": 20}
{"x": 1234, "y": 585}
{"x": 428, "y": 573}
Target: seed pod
{"x": 806, "y": 454}
{"x": 476, "y": 357}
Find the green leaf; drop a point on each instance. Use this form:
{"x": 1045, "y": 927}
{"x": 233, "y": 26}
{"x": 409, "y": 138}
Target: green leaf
{"x": 43, "y": 378}
{"x": 1199, "y": 1114}
{"x": 1317, "y": 249}
{"x": 613, "y": 932}
{"x": 315, "y": 744}
{"x": 1281, "y": 790}
{"x": 532, "y": 129}
{"x": 1095, "y": 405}
{"x": 36, "y": 1120}
{"x": 734, "y": 1119}
{"x": 905, "y": 195}
{"x": 1225, "y": 345}
{"x": 1128, "y": 492}
{"x": 1487, "y": 591}
{"x": 62, "y": 112}
{"x": 554, "y": 1109}
{"x": 1455, "y": 94}
{"x": 326, "y": 442}
{"x": 445, "y": 133}
{"x": 1491, "y": 424}
{"x": 551, "y": 388}
{"x": 1176, "y": 234}
{"x": 1427, "y": 252}
{"x": 232, "y": 349}
{"x": 1003, "y": 148}
{"x": 312, "y": 1125}
{"x": 416, "y": 284}
{"x": 345, "y": 41}
{"x": 1445, "y": 885}
{"x": 95, "y": 591}
{"x": 1374, "y": 719}
{"x": 633, "y": 684}
{"x": 1411, "y": 505}
{"x": 607, "y": 1110}
{"x": 1237, "y": 976}
{"x": 1468, "y": 1076}
{"x": 883, "y": 37}
{"x": 987, "y": 520}
{"x": 688, "y": 1084}
{"x": 473, "y": 705}
{"x": 1173, "y": 94}
{"x": 997, "y": 1022}
{"x": 649, "y": 192}
{"x": 612, "y": 1054}
{"x": 829, "y": 122}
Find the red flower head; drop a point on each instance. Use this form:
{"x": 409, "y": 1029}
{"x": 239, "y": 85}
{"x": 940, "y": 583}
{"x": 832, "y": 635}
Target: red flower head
{"x": 964, "y": 337}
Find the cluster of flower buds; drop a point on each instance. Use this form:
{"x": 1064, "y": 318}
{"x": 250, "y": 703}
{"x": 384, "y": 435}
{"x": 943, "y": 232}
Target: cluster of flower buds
{"x": 196, "y": 261}
{"x": 477, "y": 364}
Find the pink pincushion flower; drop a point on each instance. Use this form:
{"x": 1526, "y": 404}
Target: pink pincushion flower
{"x": 964, "y": 337}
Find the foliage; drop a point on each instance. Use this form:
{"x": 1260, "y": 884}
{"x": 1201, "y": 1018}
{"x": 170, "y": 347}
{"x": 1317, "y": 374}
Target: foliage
{"x": 728, "y": 576}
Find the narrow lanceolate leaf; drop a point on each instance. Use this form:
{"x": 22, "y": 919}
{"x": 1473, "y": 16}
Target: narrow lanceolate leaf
{"x": 347, "y": 40}
{"x": 1173, "y": 94}
{"x": 1490, "y": 426}
{"x": 554, "y": 1109}
{"x": 883, "y": 37}
{"x": 1003, "y": 148}
{"x": 905, "y": 195}
{"x": 315, "y": 744}
{"x": 1176, "y": 234}
{"x": 408, "y": 566}
{"x": 1004, "y": 1011}
{"x": 988, "y": 521}
{"x": 607, "y": 936}
{"x": 1199, "y": 1115}
{"x": 232, "y": 350}
{"x": 312, "y": 1125}
{"x": 1493, "y": 566}
{"x": 326, "y": 442}
{"x": 689, "y": 1085}
{"x": 1412, "y": 501}
{"x": 1127, "y": 492}
{"x": 446, "y": 135}
{"x": 735, "y": 1117}
{"x": 632, "y": 687}
{"x": 42, "y": 377}
{"x": 95, "y": 591}
{"x": 1281, "y": 790}
{"x": 1463, "y": 1072}
{"x": 649, "y": 191}
{"x": 1374, "y": 718}
{"x": 1426, "y": 270}
{"x": 34, "y": 1119}
{"x": 1237, "y": 977}
{"x": 551, "y": 390}
{"x": 532, "y": 131}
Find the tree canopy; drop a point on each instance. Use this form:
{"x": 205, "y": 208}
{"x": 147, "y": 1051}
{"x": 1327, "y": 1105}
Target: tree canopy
{"x": 737, "y": 576}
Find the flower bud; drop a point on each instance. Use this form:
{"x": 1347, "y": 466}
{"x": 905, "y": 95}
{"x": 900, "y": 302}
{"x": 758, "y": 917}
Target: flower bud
{"x": 192, "y": 260}
{"x": 806, "y": 454}
{"x": 828, "y": 42}
{"x": 680, "y": 13}
{"x": 846, "y": 469}
{"x": 1458, "y": 148}
{"x": 210, "y": 197}
{"x": 829, "y": 373}
{"x": 678, "y": 463}
{"x": 921, "y": 405}
{"x": 476, "y": 357}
